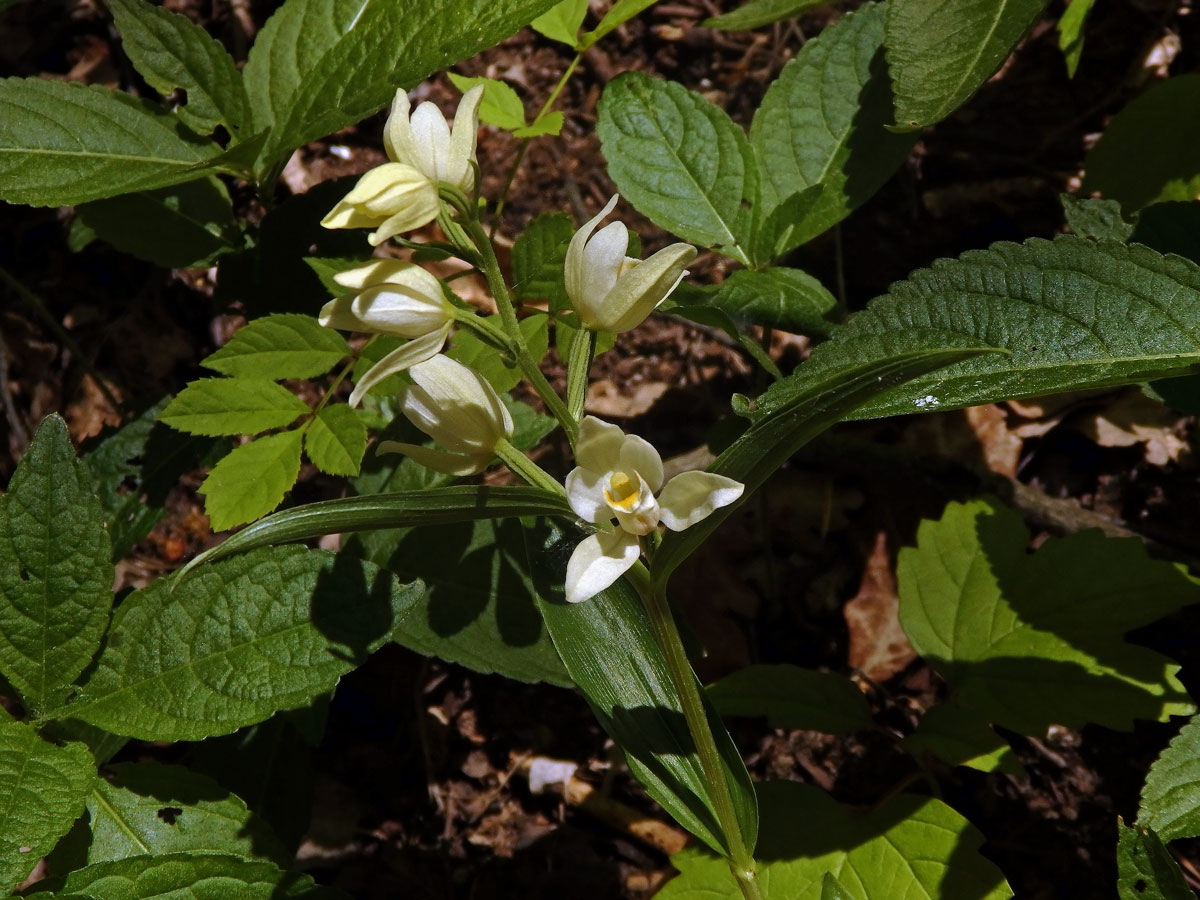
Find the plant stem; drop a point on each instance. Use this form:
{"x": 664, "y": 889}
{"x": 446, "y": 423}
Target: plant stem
{"x": 683, "y": 679}
{"x": 579, "y": 363}
{"x": 529, "y": 471}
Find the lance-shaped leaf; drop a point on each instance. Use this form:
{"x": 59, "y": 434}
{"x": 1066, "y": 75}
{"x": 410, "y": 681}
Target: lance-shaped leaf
{"x": 942, "y": 51}
{"x": 56, "y": 576}
{"x": 65, "y": 143}
{"x": 282, "y": 346}
{"x": 42, "y": 789}
{"x": 173, "y": 52}
{"x": 1171, "y": 796}
{"x": 1145, "y": 868}
{"x": 609, "y": 648}
{"x": 1071, "y": 314}
{"x": 822, "y": 123}
{"x": 238, "y": 641}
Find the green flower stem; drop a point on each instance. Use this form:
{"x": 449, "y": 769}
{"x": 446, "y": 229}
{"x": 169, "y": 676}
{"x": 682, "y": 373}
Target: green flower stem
{"x": 485, "y": 329}
{"x": 528, "y": 470}
{"x": 683, "y": 679}
{"x": 579, "y": 363}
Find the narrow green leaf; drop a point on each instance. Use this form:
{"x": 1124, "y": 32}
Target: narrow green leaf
{"x": 777, "y": 298}
{"x": 681, "y": 161}
{"x": 188, "y": 874}
{"x": 791, "y": 697}
{"x": 63, "y": 143}
{"x": 171, "y": 51}
{"x": 1125, "y": 166}
{"x": 1070, "y": 32}
{"x": 561, "y": 22}
{"x": 618, "y": 14}
{"x": 757, "y": 13}
{"x": 1071, "y": 314}
{"x": 1005, "y": 628}
{"x": 822, "y": 123}
{"x": 251, "y": 480}
{"x": 42, "y": 790}
{"x": 911, "y": 847}
{"x": 280, "y": 346}
{"x": 183, "y": 226}
{"x": 1100, "y": 220}
{"x": 1145, "y": 868}
{"x": 1171, "y": 796}
{"x": 500, "y": 105}
{"x": 336, "y": 440}
{"x": 942, "y": 51}
{"x": 608, "y": 646}
{"x": 468, "y": 349}
{"x": 56, "y": 574}
{"x": 237, "y": 641}
{"x": 215, "y": 406}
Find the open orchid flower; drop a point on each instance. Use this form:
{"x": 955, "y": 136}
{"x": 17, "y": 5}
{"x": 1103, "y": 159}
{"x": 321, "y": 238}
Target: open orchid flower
{"x": 610, "y": 291}
{"x": 402, "y": 195}
{"x": 459, "y": 410}
{"x": 391, "y": 297}
{"x": 620, "y": 476}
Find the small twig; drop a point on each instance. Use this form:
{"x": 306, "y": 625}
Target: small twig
{"x": 10, "y": 410}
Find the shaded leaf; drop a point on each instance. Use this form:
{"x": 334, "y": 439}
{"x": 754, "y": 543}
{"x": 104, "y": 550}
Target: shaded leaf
{"x": 757, "y": 13}
{"x": 538, "y": 257}
{"x": 252, "y": 479}
{"x": 777, "y": 298}
{"x": 1100, "y": 220}
{"x": 960, "y": 738}
{"x": 792, "y": 697}
{"x": 1145, "y": 868}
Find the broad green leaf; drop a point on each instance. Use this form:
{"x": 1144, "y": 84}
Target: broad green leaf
{"x": 681, "y": 161}
{"x": 609, "y": 648}
{"x": 549, "y": 124}
{"x": 792, "y": 697}
{"x": 468, "y": 349}
{"x": 237, "y": 641}
{"x": 500, "y": 105}
{"x": 757, "y": 13}
{"x": 280, "y": 346}
{"x": 42, "y": 789}
{"x": 64, "y": 143}
{"x": 1125, "y": 165}
{"x": 252, "y": 479}
{"x": 371, "y": 48}
{"x": 822, "y": 123}
{"x": 148, "y": 808}
{"x": 216, "y": 406}
{"x": 960, "y": 738}
{"x": 336, "y": 440}
{"x": 171, "y": 51}
{"x": 538, "y": 256}
{"x": 183, "y": 226}
{"x": 1028, "y": 641}
{"x": 1071, "y": 313}
{"x": 1070, "y": 32}
{"x": 910, "y": 847}
{"x": 618, "y": 14}
{"x": 1100, "y": 220}
{"x": 529, "y": 425}
{"x": 1171, "y": 796}
{"x": 942, "y": 51}
{"x": 188, "y": 875}
{"x": 1145, "y": 868}
{"x": 832, "y": 889}
{"x": 784, "y": 228}
{"x": 777, "y": 298}
{"x": 561, "y": 22}
{"x": 56, "y": 573}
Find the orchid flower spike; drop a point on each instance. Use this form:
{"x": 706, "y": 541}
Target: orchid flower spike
{"x": 402, "y": 195}
{"x": 391, "y": 297}
{"x": 618, "y": 477}
{"x": 614, "y": 292}
{"x": 457, "y": 408}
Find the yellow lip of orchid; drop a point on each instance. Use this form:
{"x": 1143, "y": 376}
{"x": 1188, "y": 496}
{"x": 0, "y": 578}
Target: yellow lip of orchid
{"x": 620, "y": 477}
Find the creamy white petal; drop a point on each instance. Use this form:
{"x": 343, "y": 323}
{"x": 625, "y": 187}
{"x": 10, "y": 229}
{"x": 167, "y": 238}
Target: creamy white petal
{"x": 438, "y": 460}
{"x": 598, "y": 446}
{"x": 410, "y": 354}
{"x": 409, "y": 219}
{"x": 397, "y": 133}
{"x": 598, "y": 561}
{"x": 462, "y": 140}
{"x": 603, "y": 260}
{"x": 692, "y": 496}
{"x": 574, "y": 268}
{"x": 642, "y": 517}
{"x": 585, "y": 493}
{"x": 643, "y": 287}
{"x": 375, "y": 271}
{"x": 638, "y": 455}
{"x": 431, "y": 141}
{"x": 455, "y": 406}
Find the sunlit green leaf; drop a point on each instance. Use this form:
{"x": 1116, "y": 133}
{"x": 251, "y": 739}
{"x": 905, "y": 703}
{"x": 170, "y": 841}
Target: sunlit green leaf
{"x": 757, "y": 13}
{"x": 500, "y": 106}
{"x": 336, "y": 440}
{"x": 278, "y": 347}
{"x": 252, "y": 479}
{"x": 1171, "y": 795}
{"x": 561, "y": 22}
{"x": 1145, "y": 868}
{"x": 1070, "y": 32}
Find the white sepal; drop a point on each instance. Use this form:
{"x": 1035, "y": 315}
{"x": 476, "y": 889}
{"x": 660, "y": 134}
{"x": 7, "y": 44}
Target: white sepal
{"x": 690, "y": 497}
{"x": 598, "y": 561}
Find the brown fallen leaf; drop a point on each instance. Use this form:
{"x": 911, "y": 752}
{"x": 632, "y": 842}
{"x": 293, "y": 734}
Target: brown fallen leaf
{"x": 1000, "y": 445}
{"x": 1133, "y": 418}
{"x": 604, "y": 398}
{"x": 878, "y": 646}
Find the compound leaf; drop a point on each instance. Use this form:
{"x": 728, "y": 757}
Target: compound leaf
{"x": 336, "y": 440}
{"x": 216, "y": 406}
{"x": 272, "y": 348}
{"x": 252, "y": 479}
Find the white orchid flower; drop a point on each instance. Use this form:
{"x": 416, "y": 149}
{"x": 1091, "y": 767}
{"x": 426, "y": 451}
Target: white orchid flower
{"x": 620, "y": 476}
{"x": 457, "y": 408}
{"x": 402, "y": 195}
{"x": 391, "y": 297}
{"x": 614, "y": 292}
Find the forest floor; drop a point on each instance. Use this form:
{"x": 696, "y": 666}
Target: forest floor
{"x": 419, "y": 787}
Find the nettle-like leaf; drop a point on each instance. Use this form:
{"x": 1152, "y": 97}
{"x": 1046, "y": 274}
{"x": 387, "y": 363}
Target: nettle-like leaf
{"x": 187, "y": 875}
{"x": 1028, "y": 641}
{"x": 236, "y": 641}
{"x": 56, "y": 573}
{"x": 1145, "y": 868}
{"x": 149, "y": 808}
{"x": 171, "y": 51}
{"x": 65, "y": 143}
{"x": 217, "y": 406}
{"x": 282, "y": 346}
{"x": 757, "y": 13}
{"x": 822, "y": 123}
{"x": 791, "y": 697}
{"x": 1171, "y": 796}
{"x": 1072, "y": 314}
{"x": 911, "y": 847}
{"x": 42, "y": 790}
{"x": 789, "y": 299}
{"x": 681, "y": 161}
{"x": 1100, "y": 220}
{"x": 942, "y": 51}
{"x": 538, "y": 257}
{"x": 336, "y": 440}
{"x": 1124, "y": 166}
